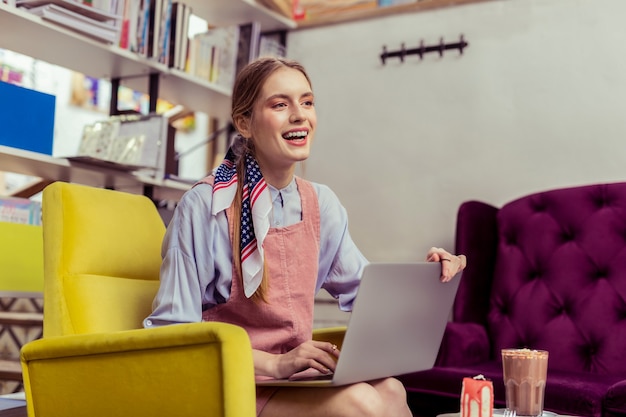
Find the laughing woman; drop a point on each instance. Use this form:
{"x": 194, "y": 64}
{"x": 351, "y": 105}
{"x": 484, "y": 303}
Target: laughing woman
{"x": 252, "y": 244}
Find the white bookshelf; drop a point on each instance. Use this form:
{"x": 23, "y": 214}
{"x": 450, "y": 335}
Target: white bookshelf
{"x": 30, "y": 35}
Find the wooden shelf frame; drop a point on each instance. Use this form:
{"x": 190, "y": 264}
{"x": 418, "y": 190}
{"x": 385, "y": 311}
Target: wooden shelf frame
{"x": 49, "y": 169}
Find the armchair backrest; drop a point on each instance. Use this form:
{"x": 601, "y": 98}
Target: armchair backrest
{"x": 550, "y": 273}
{"x": 101, "y": 259}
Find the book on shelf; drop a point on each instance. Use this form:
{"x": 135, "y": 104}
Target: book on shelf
{"x": 150, "y": 28}
{"x": 183, "y": 44}
{"x": 156, "y": 29}
{"x": 248, "y": 44}
{"x": 218, "y": 54}
{"x": 139, "y": 44}
{"x": 176, "y": 27}
{"x": 179, "y": 39}
{"x": 95, "y": 13}
{"x": 150, "y": 24}
{"x": 74, "y": 18}
{"x": 130, "y": 12}
{"x": 225, "y": 59}
{"x": 165, "y": 26}
{"x": 20, "y": 210}
{"x": 130, "y": 36}
{"x": 200, "y": 58}
{"x": 113, "y": 6}
{"x": 27, "y": 119}
{"x": 271, "y": 46}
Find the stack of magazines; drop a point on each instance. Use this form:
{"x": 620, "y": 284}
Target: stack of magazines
{"x": 91, "y": 21}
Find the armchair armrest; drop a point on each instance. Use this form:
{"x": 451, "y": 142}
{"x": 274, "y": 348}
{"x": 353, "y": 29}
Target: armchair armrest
{"x": 463, "y": 344}
{"x": 333, "y": 335}
{"x": 477, "y": 238}
{"x": 615, "y": 399}
{"x": 182, "y": 369}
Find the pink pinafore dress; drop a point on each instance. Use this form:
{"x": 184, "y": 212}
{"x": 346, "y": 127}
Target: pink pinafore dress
{"x": 286, "y": 320}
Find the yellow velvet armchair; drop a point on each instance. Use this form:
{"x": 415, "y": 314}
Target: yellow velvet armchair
{"x": 101, "y": 272}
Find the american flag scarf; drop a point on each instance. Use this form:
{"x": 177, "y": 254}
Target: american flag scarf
{"x": 256, "y": 206}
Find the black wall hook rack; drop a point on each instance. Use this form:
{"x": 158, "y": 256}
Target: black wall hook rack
{"x": 422, "y": 49}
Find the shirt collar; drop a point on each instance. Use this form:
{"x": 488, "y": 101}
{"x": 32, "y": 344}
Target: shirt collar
{"x": 275, "y": 193}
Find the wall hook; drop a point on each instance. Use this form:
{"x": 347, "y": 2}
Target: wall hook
{"x": 462, "y": 44}
{"x": 422, "y": 49}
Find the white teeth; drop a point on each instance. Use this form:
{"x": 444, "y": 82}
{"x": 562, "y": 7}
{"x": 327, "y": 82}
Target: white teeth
{"x": 299, "y": 134}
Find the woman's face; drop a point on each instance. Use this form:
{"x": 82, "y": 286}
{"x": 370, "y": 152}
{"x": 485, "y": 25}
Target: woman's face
{"x": 283, "y": 121}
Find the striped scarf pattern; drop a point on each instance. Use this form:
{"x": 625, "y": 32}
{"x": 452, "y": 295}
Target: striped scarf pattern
{"x": 255, "y": 211}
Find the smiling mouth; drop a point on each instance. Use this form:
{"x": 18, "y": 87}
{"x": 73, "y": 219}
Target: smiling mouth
{"x": 296, "y": 135}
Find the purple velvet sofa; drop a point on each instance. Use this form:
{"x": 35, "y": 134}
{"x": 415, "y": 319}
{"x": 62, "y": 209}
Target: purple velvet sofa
{"x": 546, "y": 271}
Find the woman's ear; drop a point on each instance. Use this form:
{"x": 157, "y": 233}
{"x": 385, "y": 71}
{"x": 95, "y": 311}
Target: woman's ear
{"x": 242, "y": 124}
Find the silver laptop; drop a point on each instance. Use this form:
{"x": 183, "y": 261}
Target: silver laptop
{"x": 396, "y": 325}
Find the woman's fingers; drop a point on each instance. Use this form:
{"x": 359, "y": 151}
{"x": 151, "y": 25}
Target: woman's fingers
{"x": 325, "y": 354}
{"x": 320, "y": 356}
{"x": 450, "y": 264}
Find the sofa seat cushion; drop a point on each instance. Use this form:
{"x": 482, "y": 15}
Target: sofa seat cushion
{"x": 615, "y": 400}
{"x": 569, "y": 393}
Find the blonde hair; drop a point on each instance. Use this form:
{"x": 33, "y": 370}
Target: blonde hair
{"x": 246, "y": 91}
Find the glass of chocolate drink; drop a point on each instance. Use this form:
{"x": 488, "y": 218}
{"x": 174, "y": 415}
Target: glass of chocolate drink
{"x": 524, "y": 372}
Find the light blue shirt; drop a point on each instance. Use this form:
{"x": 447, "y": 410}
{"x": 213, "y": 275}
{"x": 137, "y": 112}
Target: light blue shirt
{"x": 196, "y": 272}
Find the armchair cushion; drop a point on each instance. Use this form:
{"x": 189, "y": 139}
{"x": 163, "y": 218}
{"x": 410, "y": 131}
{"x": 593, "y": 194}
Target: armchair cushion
{"x": 89, "y": 314}
{"x": 615, "y": 400}
{"x": 95, "y": 233}
{"x": 463, "y": 344}
{"x": 145, "y": 372}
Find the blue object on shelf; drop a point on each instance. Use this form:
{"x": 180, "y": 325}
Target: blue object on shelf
{"x": 26, "y": 118}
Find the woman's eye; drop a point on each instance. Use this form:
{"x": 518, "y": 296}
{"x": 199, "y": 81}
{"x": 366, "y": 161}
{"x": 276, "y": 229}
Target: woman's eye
{"x": 279, "y": 105}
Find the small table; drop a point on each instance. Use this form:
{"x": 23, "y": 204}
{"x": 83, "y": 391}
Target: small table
{"x": 498, "y": 412}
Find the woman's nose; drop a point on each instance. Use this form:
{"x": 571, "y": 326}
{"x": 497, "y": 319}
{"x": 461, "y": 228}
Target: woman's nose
{"x": 297, "y": 115}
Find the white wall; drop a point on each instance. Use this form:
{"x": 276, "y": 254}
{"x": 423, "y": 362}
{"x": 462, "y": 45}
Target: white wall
{"x": 536, "y": 102}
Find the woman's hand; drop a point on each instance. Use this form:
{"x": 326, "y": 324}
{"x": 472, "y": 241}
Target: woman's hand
{"x": 321, "y": 356}
{"x": 450, "y": 264}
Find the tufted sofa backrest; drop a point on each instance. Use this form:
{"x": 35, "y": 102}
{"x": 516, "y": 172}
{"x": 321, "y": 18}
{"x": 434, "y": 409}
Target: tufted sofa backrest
{"x": 559, "y": 278}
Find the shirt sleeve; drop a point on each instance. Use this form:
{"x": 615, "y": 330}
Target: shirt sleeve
{"x": 197, "y": 269}
{"x": 341, "y": 262}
